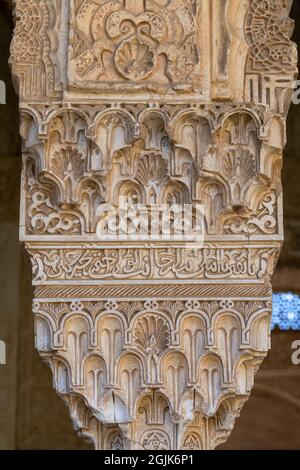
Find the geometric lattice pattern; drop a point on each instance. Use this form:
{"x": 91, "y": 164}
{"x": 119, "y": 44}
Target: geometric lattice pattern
{"x": 286, "y": 311}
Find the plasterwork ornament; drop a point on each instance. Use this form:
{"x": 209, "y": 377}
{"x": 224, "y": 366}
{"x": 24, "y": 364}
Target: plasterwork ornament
{"x": 153, "y": 343}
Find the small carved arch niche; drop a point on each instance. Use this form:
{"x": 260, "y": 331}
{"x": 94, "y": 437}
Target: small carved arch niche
{"x": 76, "y": 341}
{"x": 130, "y": 379}
{"x": 210, "y": 373}
{"x": 175, "y": 376}
{"x": 228, "y": 340}
{"x": 130, "y": 191}
{"x": 260, "y": 333}
{"x": 43, "y": 334}
{"x": 175, "y": 192}
{"x": 61, "y": 372}
{"x": 114, "y": 132}
{"x": 192, "y": 336}
{"x": 240, "y": 131}
{"x": 95, "y": 379}
{"x": 34, "y": 145}
{"x": 153, "y": 408}
{"x": 213, "y": 196}
{"x": 154, "y": 133}
{"x": 110, "y": 341}
{"x": 193, "y": 133}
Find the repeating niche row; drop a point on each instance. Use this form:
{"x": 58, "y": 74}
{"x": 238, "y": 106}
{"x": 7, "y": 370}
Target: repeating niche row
{"x": 121, "y": 402}
{"x": 112, "y": 364}
{"x": 151, "y": 161}
{"x": 155, "y": 427}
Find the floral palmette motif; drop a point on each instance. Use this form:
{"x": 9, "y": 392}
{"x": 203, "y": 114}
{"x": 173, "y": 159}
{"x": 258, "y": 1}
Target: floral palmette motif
{"x": 152, "y": 169}
{"x": 152, "y": 335}
{"x": 68, "y": 162}
{"x": 135, "y": 60}
{"x": 239, "y": 165}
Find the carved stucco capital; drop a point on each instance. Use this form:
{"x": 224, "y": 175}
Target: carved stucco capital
{"x": 153, "y": 344}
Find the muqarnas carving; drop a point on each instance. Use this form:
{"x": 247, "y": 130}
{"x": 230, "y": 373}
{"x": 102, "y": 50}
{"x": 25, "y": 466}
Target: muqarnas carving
{"x": 153, "y": 345}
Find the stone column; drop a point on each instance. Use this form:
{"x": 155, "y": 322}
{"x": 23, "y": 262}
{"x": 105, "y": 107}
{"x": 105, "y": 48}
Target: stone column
{"x": 153, "y": 342}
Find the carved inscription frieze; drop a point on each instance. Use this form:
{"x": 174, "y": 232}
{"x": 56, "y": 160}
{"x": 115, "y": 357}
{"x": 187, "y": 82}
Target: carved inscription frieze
{"x": 152, "y": 263}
